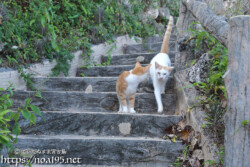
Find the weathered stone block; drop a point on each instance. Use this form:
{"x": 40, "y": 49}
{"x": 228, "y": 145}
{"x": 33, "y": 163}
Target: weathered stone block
{"x": 99, "y": 124}
{"x": 122, "y": 151}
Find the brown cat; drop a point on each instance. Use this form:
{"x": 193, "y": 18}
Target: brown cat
{"x": 127, "y": 84}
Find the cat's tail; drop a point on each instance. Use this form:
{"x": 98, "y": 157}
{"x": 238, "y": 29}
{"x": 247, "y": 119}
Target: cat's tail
{"x": 164, "y": 47}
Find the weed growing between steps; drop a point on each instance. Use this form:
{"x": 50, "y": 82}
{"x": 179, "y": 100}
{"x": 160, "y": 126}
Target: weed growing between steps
{"x": 9, "y": 126}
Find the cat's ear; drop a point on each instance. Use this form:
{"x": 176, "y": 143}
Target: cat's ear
{"x": 170, "y": 68}
{"x": 138, "y": 64}
{"x": 157, "y": 65}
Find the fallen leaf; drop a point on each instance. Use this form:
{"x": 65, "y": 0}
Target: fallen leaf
{"x": 174, "y": 139}
{"x": 181, "y": 125}
{"x": 198, "y": 137}
{"x": 185, "y": 135}
{"x": 197, "y": 163}
{"x": 169, "y": 130}
{"x": 171, "y": 136}
{"x": 193, "y": 144}
{"x": 189, "y": 109}
{"x": 198, "y": 154}
{"x": 165, "y": 137}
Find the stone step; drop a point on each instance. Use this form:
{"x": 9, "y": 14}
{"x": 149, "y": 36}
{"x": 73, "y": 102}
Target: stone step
{"x": 97, "y": 84}
{"x": 131, "y": 59}
{"x": 122, "y": 151}
{"x": 105, "y": 71}
{"x": 148, "y": 47}
{"x": 158, "y": 38}
{"x": 100, "y": 71}
{"x": 99, "y": 124}
{"x": 72, "y": 101}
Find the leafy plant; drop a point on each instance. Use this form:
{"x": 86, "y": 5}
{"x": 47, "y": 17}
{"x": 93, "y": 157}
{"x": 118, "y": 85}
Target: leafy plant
{"x": 202, "y": 38}
{"x": 177, "y": 163}
{"x": 221, "y": 155}
{"x": 83, "y": 75}
{"x": 9, "y": 125}
{"x": 213, "y": 94}
{"x": 34, "y": 30}
{"x": 245, "y": 123}
{"x": 239, "y": 7}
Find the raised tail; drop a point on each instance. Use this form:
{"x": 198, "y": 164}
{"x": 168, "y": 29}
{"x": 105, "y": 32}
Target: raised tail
{"x": 164, "y": 47}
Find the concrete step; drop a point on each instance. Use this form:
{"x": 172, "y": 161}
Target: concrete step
{"x": 100, "y": 124}
{"x": 131, "y": 59}
{"x": 98, "y": 84}
{"x": 105, "y": 71}
{"x": 97, "y": 102}
{"x": 122, "y": 151}
{"x": 148, "y": 47}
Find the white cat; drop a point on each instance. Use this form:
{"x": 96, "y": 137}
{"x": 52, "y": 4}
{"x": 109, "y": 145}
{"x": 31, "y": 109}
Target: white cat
{"x": 161, "y": 68}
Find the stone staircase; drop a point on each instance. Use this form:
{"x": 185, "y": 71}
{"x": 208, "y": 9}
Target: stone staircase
{"x": 80, "y": 116}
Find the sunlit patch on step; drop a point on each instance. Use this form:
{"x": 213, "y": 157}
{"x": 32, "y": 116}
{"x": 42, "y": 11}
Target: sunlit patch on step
{"x": 89, "y": 89}
{"x": 125, "y": 128}
{"x": 140, "y": 59}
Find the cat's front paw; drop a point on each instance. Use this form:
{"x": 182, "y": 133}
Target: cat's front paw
{"x": 120, "y": 109}
{"x": 160, "y": 110}
{"x": 125, "y": 111}
{"x": 132, "y": 111}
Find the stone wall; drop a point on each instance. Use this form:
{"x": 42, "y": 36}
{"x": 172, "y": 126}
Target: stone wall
{"x": 237, "y": 81}
{"x": 38, "y": 69}
{"x": 236, "y": 37}
{"x": 187, "y": 104}
{"x": 44, "y": 69}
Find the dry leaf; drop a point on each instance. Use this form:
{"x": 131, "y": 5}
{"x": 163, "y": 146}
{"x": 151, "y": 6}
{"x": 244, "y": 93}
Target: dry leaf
{"x": 169, "y": 130}
{"x": 181, "y": 125}
{"x": 198, "y": 154}
{"x": 198, "y": 137}
{"x": 197, "y": 163}
{"x": 189, "y": 109}
{"x": 185, "y": 135}
{"x": 194, "y": 142}
{"x": 174, "y": 139}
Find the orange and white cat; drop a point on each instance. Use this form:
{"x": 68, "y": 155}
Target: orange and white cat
{"x": 161, "y": 68}
{"x": 127, "y": 84}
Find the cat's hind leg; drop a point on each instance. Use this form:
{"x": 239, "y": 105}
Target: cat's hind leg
{"x": 132, "y": 103}
{"x": 120, "y": 104}
{"x": 123, "y": 103}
